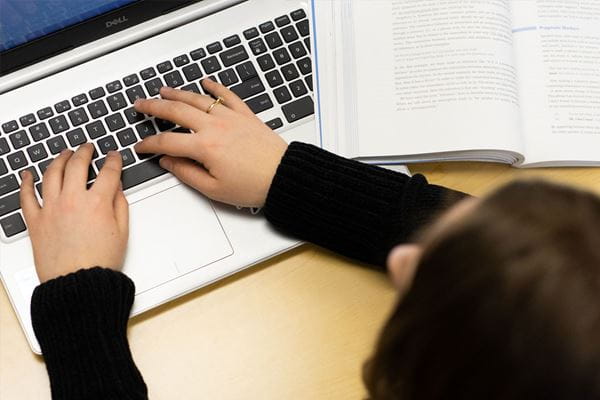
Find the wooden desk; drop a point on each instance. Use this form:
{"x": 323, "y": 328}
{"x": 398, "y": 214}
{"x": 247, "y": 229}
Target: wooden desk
{"x": 295, "y": 327}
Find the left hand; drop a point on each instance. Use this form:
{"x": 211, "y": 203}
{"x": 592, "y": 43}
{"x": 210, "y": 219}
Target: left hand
{"x": 76, "y": 228}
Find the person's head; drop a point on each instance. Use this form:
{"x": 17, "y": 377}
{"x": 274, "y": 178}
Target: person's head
{"x": 500, "y": 299}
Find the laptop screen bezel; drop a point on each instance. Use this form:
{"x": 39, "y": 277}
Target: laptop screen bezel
{"x": 85, "y": 32}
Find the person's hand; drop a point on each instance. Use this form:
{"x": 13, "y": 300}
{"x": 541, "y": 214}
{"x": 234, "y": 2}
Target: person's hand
{"x": 238, "y": 152}
{"x": 76, "y": 228}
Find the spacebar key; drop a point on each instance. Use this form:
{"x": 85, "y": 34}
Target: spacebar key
{"x": 141, "y": 173}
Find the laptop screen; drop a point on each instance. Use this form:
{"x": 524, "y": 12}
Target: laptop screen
{"x": 22, "y": 21}
{"x": 33, "y": 30}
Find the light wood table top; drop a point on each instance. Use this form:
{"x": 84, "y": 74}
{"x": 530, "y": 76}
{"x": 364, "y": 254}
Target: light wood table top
{"x": 296, "y": 327}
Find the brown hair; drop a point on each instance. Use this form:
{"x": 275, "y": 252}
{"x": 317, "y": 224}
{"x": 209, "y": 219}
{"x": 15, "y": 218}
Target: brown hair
{"x": 506, "y": 305}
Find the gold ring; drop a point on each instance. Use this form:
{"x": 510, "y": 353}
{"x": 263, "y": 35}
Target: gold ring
{"x": 218, "y": 101}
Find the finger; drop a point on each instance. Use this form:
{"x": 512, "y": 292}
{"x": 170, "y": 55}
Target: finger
{"x": 53, "y": 177}
{"x": 230, "y": 99}
{"x": 195, "y": 100}
{"x": 109, "y": 178}
{"x": 173, "y": 144}
{"x": 191, "y": 174}
{"x": 76, "y": 170}
{"x": 121, "y": 207}
{"x": 180, "y": 113}
{"x": 29, "y": 203}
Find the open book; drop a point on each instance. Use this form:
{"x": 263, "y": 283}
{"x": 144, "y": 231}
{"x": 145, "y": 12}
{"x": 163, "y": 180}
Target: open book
{"x": 516, "y": 82}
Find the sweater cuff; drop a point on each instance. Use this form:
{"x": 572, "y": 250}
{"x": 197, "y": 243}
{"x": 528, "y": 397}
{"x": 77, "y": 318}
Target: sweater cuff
{"x": 80, "y": 321}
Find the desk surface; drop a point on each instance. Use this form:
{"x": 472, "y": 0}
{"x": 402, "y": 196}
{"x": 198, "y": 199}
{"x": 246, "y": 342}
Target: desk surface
{"x": 296, "y": 327}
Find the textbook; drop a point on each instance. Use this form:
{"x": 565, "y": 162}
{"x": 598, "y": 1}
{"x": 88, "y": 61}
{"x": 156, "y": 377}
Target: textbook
{"x": 403, "y": 81}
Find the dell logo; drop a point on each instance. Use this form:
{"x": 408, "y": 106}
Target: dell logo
{"x": 116, "y": 21}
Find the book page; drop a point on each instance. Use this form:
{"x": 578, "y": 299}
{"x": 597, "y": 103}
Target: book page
{"x": 557, "y": 50}
{"x": 435, "y": 76}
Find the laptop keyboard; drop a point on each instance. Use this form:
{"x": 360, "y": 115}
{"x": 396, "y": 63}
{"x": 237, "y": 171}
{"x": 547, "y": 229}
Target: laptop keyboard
{"x": 267, "y": 66}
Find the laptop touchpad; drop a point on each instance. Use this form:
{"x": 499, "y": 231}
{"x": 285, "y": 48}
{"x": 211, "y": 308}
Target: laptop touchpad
{"x": 172, "y": 233}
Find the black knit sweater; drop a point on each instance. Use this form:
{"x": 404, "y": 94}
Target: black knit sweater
{"x": 354, "y": 209}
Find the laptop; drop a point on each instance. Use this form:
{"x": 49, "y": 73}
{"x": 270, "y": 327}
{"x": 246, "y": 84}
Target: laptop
{"x": 70, "y": 71}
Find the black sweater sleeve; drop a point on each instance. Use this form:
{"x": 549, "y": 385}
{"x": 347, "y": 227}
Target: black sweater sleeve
{"x": 357, "y": 210}
{"x": 80, "y": 321}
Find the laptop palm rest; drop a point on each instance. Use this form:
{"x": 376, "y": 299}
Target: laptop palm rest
{"x": 173, "y": 232}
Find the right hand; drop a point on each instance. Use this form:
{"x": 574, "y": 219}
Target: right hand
{"x": 238, "y": 153}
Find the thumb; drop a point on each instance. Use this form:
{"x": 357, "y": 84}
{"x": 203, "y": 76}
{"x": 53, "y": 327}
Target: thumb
{"x": 190, "y": 173}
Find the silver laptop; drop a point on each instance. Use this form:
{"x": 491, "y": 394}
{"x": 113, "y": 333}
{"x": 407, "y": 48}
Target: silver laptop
{"x": 70, "y": 72}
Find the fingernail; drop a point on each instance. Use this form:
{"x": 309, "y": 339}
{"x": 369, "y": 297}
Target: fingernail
{"x": 113, "y": 153}
{"x": 25, "y": 174}
{"x": 166, "y": 89}
{"x": 165, "y": 163}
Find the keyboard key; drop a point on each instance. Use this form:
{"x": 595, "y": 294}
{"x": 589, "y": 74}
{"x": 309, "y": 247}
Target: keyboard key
{"x": 3, "y": 169}
{"x": 27, "y": 120}
{"x": 228, "y": 77}
{"x": 114, "y": 86}
{"x": 43, "y": 166}
{"x": 96, "y": 93}
{"x": 246, "y": 71}
{"x": 78, "y": 116}
{"x": 198, "y": 54}
{"x": 214, "y": 48}
{"x": 164, "y": 67}
{"x": 248, "y": 88}
{"x": 305, "y": 65}
{"x": 274, "y": 78}
{"x": 281, "y": 56}
{"x": 289, "y": 34}
{"x": 297, "y": 49}
{"x": 290, "y": 72}
{"x": 211, "y": 65}
{"x": 234, "y": 56}
{"x": 56, "y": 144}
{"x": 141, "y": 173}
{"x": 164, "y": 125}
{"x": 309, "y": 81}
{"x": 107, "y": 144}
{"x": 266, "y": 62}
{"x": 147, "y": 73}
{"x": 173, "y": 79}
{"x": 192, "y": 87}
{"x": 260, "y": 103}
{"x": 273, "y": 40}
{"x": 257, "y": 46}
{"x": 127, "y": 157}
{"x": 298, "y": 14}
{"x": 116, "y": 101}
{"x": 36, "y": 176}
{"x": 126, "y": 137}
{"x": 4, "y": 146}
{"x": 298, "y": 109}
{"x": 181, "y": 60}
{"x": 45, "y": 113}
{"x": 75, "y": 137}
{"x": 192, "y": 72}
{"x": 79, "y": 99}
{"x": 282, "y": 21}
{"x": 131, "y": 80}
{"x": 39, "y": 132}
{"x": 9, "y": 204}
{"x": 153, "y": 86}
{"x": 97, "y": 109}
{"x": 282, "y": 94}
{"x": 251, "y": 33}
{"x": 275, "y": 123}
{"x": 134, "y": 93}
{"x": 95, "y": 129}
{"x": 303, "y": 27}
{"x": 10, "y": 126}
{"x": 19, "y": 139}
{"x": 62, "y": 106}
{"x": 145, "y": 129}
{"x": 8, "y": 184}
{"x": 232, "y": 41}
{"x": 12, "y": 225}
{"x": 266, "y": 27}
{"x": 114, "y": 122}
{"x": 298, "y": 88}
{"x": 17, "y": 160}
{"x": 133, "y": 116}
